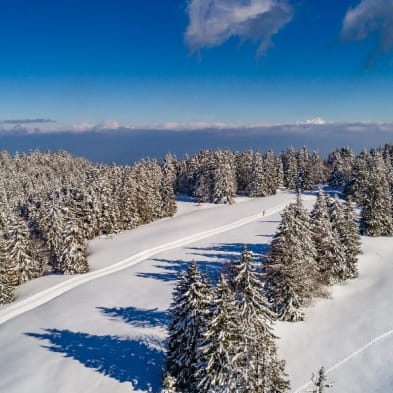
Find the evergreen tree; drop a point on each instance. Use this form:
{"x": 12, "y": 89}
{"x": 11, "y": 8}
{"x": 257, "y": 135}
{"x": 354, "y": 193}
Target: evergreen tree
{"x": 188, "y": 319}
{"x": 376, "y": 216}
{"x": 223, "y": 177}
{"x": 305, "y": 175}
{"x": 270, "y": 169}
{"x": 8, "y": 277}
{"x": 18, "y": 249}
{"x": 244, "y": 169}
{"x": 219, "y": 343}
{"x": 290, "y": 168}
{"x": 351, "y": 238}
{"x": 168, "y": 183}
{"x": 291, "y": 271}
{"x": 257, "y": 365}
{"x": 330, "y": 251}
{"x": 359, "y": 178}
{"x": 257, "y": 187}
{"x": 280, "y": 170}
{"x": 73, "y": 257}
{"x": 343, "y": 223}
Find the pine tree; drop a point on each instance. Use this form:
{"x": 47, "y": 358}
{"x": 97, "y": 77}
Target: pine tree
{"x": 305, "y": 176}
{"x": 219, "y": 343}
{"x": 244, "y": 169}
{"x": 351, "y": 239}
{"x": 359, "y": 178}
{"x": 376, "y": 216}
{"x": 8, "y": 278}
{"x": 18, "y": 238}
{"x": 257, "y": 187}
{"x": 269, "y": 164}
{"x": 73, "y": 257}
{"x": 291, "y": 272}
{"x": 330, "y": 251}
{"x": 188, "y": 318}
{"x": 344, "y": 225}
{"x": 167, "y": 185}
{"x": 280, "y": 170}
{"x": 223, "y": 177}
{"x": 290, "y": 168}
{"x": 318, "y": 169}
{"x": 257, "y": 365}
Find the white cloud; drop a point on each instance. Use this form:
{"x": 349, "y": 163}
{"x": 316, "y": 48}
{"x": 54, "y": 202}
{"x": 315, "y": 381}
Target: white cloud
{"x": 314, "y": 121}
{"x": 367, "y": 17}
{"x": 212, "y": 22}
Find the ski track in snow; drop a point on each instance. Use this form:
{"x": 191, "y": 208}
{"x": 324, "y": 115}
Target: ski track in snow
{"x": 49, "y": 294}
{"x": 351, "y": 356}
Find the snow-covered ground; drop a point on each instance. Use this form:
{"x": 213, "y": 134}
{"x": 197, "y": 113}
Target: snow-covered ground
{"x": 102, "y": 332}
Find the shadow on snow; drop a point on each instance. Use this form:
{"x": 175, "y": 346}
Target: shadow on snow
{"x": 218, "y": 255}
{"x": 137, "y": 317}
{"x": 124, "y": 359}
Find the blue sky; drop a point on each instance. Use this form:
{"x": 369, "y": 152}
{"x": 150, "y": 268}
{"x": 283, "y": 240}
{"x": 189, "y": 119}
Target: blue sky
{"x": 131, "y": 63}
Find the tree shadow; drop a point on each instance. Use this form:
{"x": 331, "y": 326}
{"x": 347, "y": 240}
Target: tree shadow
{"x": 123, "y": 359}
{"x": 137, "y": 317}
{"x": 230, "y": 251}
{"x": 170, "y": 269}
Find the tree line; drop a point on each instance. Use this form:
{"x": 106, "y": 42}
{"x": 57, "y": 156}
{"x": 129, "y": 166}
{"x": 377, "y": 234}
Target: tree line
{"x": 51, "y": 204}
{"x": 368, "y": 179}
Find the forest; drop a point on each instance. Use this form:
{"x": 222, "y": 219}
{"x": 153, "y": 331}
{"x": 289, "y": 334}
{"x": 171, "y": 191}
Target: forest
{"x": 53, "y": 203}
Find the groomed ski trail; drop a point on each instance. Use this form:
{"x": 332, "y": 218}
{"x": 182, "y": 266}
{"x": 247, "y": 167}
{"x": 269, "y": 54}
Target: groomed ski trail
{"x": 351, "y": 356}
{"x": 49, "y": 294}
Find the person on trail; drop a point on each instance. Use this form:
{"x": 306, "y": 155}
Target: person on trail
{"x": 263, "y": 212}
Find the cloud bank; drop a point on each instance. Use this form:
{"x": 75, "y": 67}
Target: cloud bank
{"x": 127, "y": 143}
{"x": 366, "y": 18}
{"x": 212, "y": 22}
{"x": 27, "y": 121}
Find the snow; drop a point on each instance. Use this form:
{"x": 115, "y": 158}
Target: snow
{"x": 105, "y": 333}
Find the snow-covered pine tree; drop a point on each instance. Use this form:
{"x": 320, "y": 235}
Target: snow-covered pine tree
{"x": 343, "y": 223}
{"x": 305, "y": 176}
{"x": 291, "y": 271}
{"x": 257, "y": 365}
{"x": 376, "y": 216}
{"x": 318, "y": 168}
{"x": 257, "y": 187}
{"x": 217, "y": 349}
{"x": 359, "y": 178}
{"x": 280, "y": 170}
{"x": 73, "y": 256}
{"x": 189, "y": 313}
{"x": 243, "y": 163}
{"x": 351, "y": 238}
{"x": 290, "y": 168}
{"x": 169, "y": 384}
{"x": 8, "y": 277}
{"x": 167, "y": 185}
{"x": 270, "y": 169}
{"x": 224, "y": 177}
{"x": 18, "y": 248}
{"x": 330, "y": 251}
{"x": 341, "y": 161}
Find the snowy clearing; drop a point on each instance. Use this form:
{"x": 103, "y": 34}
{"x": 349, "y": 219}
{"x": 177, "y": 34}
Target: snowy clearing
{"x": 106, "y": 335}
